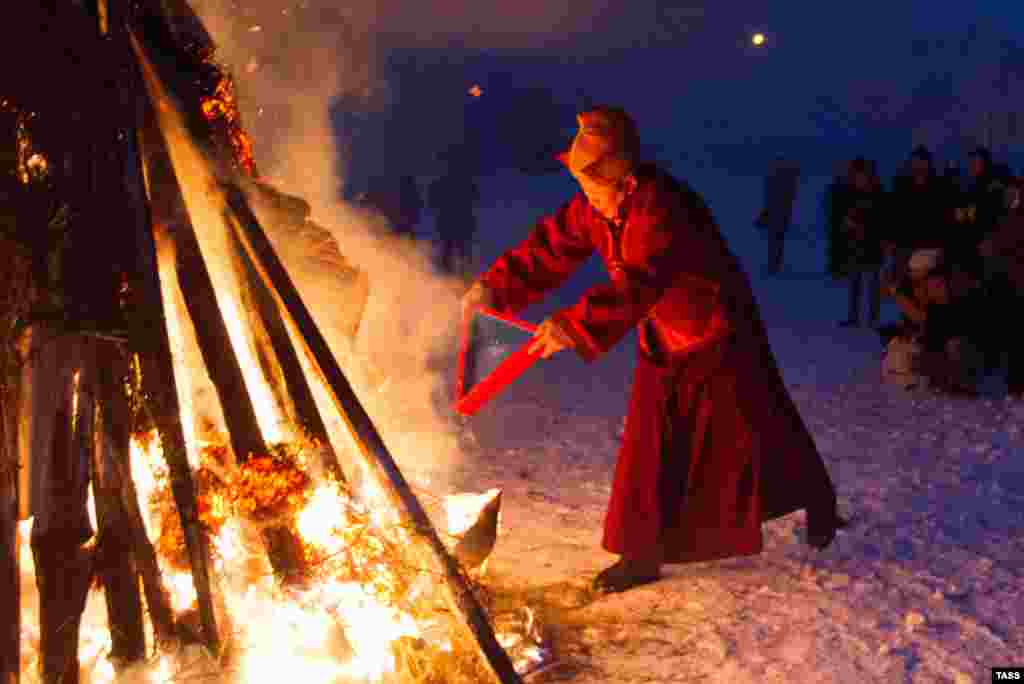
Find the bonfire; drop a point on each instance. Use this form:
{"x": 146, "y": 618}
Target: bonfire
{"x": 265, "y": 547}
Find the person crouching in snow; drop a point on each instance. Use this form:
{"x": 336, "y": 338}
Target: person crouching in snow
{"x": 946, "y": 328}
{"x": 713, "y": 444}
{"x": 901, "y": 364}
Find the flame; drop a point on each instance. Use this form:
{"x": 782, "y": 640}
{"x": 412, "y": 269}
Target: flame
{"x": 318, "y": 522}
{"x": 221, "y": 111}
{"x": 343, "y": 621}
{"x": 213, "y": 221}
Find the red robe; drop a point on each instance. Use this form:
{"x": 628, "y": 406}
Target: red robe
{"x": 713, "y": 443}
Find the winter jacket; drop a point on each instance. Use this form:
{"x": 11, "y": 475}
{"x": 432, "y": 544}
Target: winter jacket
{"x": 978, "y": 212}
{"x": 1007, "y": 248}
{"x": 856, "y": 226}
{"x": 919, "y": 217}
{"x": 779, "y": 196}
{"x": 965, "y": 317}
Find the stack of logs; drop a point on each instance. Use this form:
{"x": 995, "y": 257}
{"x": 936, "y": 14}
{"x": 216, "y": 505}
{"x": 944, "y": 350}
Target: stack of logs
{"x": 64, "y": 408}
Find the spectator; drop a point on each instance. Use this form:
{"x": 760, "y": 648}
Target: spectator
{"x": 452, "y": 198}
{"x": 1003, "y": 252}
{"x": 779, "y": 197}
{"x": 919, "y": 212}
{"x": 978, "y": 211}
{"x": 902, "y": 350}
{"x": 953, "y": 177}
{"x": 856, "y": 211}
{"x": 950, "y": 318}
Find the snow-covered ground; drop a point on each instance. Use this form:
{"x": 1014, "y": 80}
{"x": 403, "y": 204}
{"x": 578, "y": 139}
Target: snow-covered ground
{"x": 927, "y": 584}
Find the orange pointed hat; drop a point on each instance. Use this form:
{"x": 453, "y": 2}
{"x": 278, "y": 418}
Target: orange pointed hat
{"x": 606, "y": 146}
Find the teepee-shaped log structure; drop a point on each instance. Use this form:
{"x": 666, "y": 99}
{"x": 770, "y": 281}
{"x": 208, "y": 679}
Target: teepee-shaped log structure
{"x": 169, "y": 173}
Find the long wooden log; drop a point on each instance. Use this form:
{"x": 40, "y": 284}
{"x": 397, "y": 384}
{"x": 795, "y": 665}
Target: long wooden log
{"x": 266, "y": 317}
{"x": 61, "y": 530}
{"x": 158, "y": 601}
{"x": 373, "y": 453}
{"x": 150, "y": 337}
{"x": 284, "y": 548}
{"x": 10, "y": 573}
{"x": 15, "y": 286}
{"x": 116, "y": 567}
{"x": 171, "y": 220}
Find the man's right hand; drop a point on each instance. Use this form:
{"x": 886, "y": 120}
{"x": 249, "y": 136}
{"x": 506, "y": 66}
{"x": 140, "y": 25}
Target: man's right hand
{"x": 476, "y": 295}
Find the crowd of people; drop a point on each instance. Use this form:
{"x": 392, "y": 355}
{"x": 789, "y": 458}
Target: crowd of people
{"x": 949, "y": 251}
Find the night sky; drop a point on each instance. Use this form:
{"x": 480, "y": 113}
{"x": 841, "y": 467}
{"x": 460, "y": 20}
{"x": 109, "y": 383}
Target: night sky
{"x": 832, "y": 79}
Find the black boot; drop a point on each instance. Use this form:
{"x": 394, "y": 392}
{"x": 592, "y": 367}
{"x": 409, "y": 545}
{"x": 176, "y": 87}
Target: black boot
{"x": 822, "y": 527}
{"x": 626, "y": 574}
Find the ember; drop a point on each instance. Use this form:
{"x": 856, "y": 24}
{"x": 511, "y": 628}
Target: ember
{"x": 221, "y": 111}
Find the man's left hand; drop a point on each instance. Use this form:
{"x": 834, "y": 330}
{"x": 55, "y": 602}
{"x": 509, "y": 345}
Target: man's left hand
{"x": 549, "y": 339}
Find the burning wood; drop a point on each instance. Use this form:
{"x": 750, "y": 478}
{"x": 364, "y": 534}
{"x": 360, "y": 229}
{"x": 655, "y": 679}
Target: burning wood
{"x": 221, "y": 110}
{"x": 365, "y": 569}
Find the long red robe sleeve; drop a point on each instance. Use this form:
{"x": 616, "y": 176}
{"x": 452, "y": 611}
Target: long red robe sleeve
{"x": 556, "y": 247}
{"x": 658, "y": 253}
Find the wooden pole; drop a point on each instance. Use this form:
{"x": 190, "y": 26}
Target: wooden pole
{"x": 150, "y": 336}
{"x": 172, "y": 223}
{"x": 266, "y": 318}
{"x": 116, "y": 567}
{"x": 158, "y": 601}
{"x": 10, "y": 573}
{"x": 15, "y": 287}
{"x": 373, "y": 453}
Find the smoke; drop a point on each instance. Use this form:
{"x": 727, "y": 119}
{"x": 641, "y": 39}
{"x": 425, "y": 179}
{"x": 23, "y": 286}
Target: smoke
{"x": 292, "y": 62}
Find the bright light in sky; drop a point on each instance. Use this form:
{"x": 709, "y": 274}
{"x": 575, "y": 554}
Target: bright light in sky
{"x": 757, "y": 39}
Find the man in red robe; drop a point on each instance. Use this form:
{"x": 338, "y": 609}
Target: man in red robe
{"x": 713, "y": 444}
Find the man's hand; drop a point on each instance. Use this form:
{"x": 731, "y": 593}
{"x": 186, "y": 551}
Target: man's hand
{"x": 476, "y": 295}
{"x": 550, "y": 339}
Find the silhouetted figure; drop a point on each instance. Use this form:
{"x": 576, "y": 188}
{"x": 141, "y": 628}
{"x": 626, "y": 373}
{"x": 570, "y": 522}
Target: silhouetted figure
{"x": 777, "y": 215}
{"x": 980, "y": 207}
{"x": 452, "y": 198}
{"x": 920, "y": 212}
{"x": 1003, "y": 251}
{"x": 398, "y": 201}
{"x": 856, "y": 213}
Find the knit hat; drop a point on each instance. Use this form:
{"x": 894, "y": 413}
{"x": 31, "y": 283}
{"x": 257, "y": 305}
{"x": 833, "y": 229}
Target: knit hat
{"x": 925, "y": 260}
{"x": 605, "y": 149}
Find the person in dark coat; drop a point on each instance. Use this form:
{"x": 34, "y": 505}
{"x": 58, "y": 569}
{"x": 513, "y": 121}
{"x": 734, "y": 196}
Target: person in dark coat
{"x": 919, "y": 212}
{"x": 978, "y": 212}
{"x": 855, "y": 225}
{"x": 779, "y": 197}
{"x": 956, "y": 330}
{"x": 713, "y": 444}
{"x": 1003, "y": 251}
{"x": 452, "y": 198}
